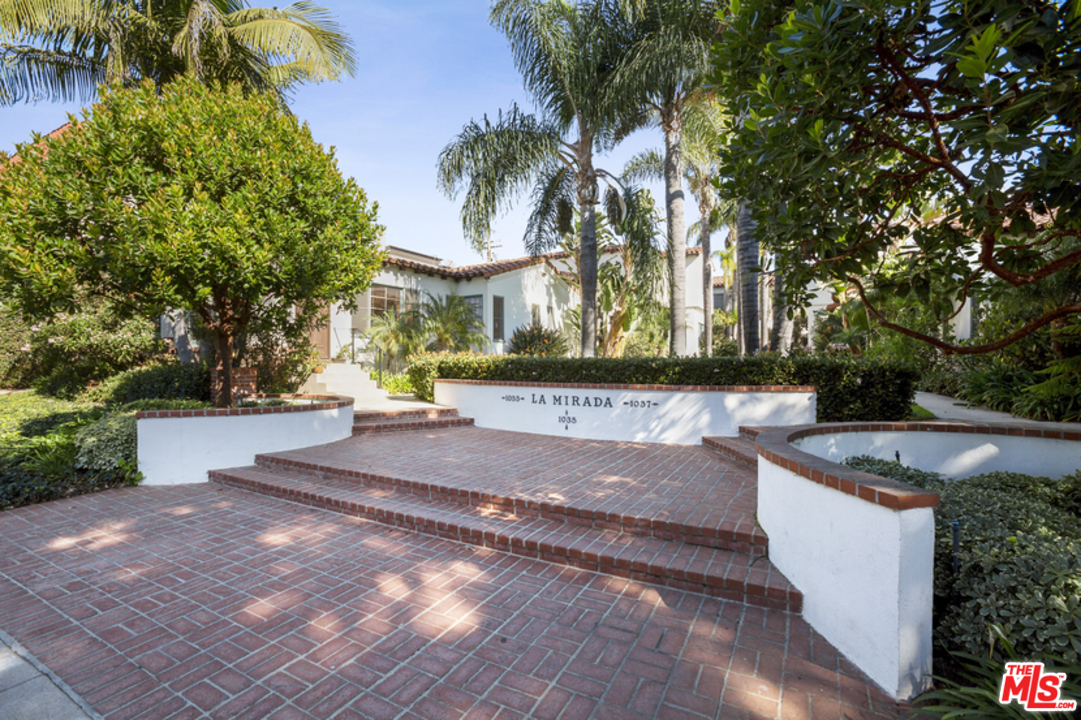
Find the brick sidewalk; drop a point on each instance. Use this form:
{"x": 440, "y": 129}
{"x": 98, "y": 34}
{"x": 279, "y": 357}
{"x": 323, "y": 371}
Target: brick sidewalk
{"x": 202, "y": 601}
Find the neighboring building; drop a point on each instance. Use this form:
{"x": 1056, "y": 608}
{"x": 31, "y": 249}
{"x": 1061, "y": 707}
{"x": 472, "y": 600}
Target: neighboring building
{"x": 507, "y": 294}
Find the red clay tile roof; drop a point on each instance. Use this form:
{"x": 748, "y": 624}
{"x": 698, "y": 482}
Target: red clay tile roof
{"x": 51, "y": 136}
{"x": 497, "y": 267}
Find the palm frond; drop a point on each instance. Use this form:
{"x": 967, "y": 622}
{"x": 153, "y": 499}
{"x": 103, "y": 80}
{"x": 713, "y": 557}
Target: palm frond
{"x": 553, "y": 209}
{"x": 304, "y": 35}
{"x": 30, "y": 74}
{"x": 644, "y": 166}
{"x": 495, "y": 162}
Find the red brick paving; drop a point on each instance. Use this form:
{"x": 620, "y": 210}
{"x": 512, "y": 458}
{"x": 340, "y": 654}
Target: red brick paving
{"x": 203, "y": 601}
{"x": 672, "y": 489}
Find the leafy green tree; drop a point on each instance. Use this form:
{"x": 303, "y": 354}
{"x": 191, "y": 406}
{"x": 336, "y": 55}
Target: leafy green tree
{"x": 63, "y": 49}
{"x": 566, "y": 53}
{"x": 849, "y": 120}
{"x": 185, "y": 198}
{"x": 659, "y": 77}
{"x": 451, "y": 324}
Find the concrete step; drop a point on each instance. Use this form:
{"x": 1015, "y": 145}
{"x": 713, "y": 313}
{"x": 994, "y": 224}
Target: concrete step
{"x": 740, "y": 535}
{"x": 737, "y": 449}
{"x": 716, "y": 572}
{"x": 385, "y": 424}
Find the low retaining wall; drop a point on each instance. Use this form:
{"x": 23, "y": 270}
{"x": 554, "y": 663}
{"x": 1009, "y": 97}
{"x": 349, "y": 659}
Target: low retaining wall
{"x": 181, "y": 446}
{"x": 957, "y": 450}
{"x": 671, "y": 414}
{"x": 860, "y": 548}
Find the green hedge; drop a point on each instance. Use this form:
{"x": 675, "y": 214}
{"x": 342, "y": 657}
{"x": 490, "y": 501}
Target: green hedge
{"x": 849, "y": 389}
{"x": 1020, "y": 559}
{"x": 165, "y": 381}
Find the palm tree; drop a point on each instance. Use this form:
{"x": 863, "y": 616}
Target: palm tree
{"x": 397, "y": 334}
{"x": 566, "y": 54}
{"x": 63, "y": 49}
{"x": 452, "y": 324}
{"x": 747, "y": 268}
{"x": 661, "y": 75}
{"x": 701, "y": 141}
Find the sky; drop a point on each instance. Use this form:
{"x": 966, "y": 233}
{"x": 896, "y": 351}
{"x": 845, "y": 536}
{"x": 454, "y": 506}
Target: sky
{"x": 425, "y": 68}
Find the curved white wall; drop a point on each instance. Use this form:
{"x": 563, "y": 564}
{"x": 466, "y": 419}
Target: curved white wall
{"x": 866, "y": 573}
{"x": 175, "y": 450}
{"x": 953, "y": 454}
{"x": 671, "y": 416}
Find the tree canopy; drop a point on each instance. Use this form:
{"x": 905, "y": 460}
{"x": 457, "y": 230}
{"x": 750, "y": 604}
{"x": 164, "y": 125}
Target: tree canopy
{"x": 942, "y": 133}
{"x": 63, "y": 49}
{"x": 185, "y": 198}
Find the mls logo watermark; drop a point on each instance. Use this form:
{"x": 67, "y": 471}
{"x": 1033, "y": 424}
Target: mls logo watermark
{"x": 1037, "y": 691}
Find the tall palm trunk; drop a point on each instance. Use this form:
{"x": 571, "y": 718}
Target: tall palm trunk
{"x": 747, "y": 260}
{"x": 705, "y": 209}
{"x": 587, "y": 203}
{"x": 677, "y": 231}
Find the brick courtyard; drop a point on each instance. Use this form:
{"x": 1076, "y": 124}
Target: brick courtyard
{"x": 208, "y": 601}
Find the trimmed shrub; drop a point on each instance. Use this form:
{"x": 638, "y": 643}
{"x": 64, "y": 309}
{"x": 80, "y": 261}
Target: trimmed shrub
{"x": 537, "y": 341}
{"x": 397, "y": 384}
{"x": 849, "y": 388}
{"x": 1020, "y": 559}
{"x": 165, "y": 381}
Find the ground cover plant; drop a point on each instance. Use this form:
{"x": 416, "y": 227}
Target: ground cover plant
{"x": 1017, "y": 591}
{"x": 849, "y": 389}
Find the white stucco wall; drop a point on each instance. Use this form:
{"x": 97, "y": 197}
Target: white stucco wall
{"x": 176, "y": 450}
{"x": 655, "y": 416}
{"x": 866, "y": 573}
{"x": 955, "y": 455}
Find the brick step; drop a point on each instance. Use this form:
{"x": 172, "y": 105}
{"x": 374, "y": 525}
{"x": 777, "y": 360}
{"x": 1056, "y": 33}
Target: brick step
{"x": 716, "y": 572}
{"x": 401, "y": 424}
{"x": 736, "y": 449}
{"x": 396, "y": 414}
{"x": 751, "y": 432}
{"x": 739, "y": 536}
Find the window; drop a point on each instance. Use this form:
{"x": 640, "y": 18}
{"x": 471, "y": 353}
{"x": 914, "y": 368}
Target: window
{"x": 551, "y": 318}
{"x": 534, "y": 315}
{"x": 497, "y": 317}
{"x": 476, "y": 304}
{"x": 384, "y": 299}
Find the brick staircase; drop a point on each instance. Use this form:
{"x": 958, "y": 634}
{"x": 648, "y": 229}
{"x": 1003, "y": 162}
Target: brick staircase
{"x": 727, "y": 562}
{"x": 368, "y": 423}
{"x": 740, "y": 450}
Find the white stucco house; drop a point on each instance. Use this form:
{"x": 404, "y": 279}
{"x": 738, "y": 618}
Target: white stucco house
{"x": 507, "y": 294}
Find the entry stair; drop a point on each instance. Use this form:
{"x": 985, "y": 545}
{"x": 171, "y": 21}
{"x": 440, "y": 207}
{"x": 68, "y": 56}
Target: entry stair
{"x": 344, "y": 379}
{"x": 740, "y": 450}
{"x": 730, "y": 563}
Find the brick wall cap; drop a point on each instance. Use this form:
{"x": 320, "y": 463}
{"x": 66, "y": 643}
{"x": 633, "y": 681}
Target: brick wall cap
{"x": 326, "y": 402}
{"x": 619, "y": 386}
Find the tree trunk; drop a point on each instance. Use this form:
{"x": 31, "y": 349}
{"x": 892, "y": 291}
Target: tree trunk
{"x": 587, "y": 202}
{"x": 778, "y": 333}
{"x": 224, "y": 346}
{"x": 677, "y": 233}
{"x": 705, "y": 210}
{"x": 747, "y": 262}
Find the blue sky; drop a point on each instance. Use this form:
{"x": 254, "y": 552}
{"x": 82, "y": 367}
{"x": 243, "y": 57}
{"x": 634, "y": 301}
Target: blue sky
{"x": 424, "y": 69}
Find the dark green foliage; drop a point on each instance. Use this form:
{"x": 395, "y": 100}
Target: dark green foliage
{"x": 165, "y": 381}
{"x": 21, "y": 486}
{"x": 1020, "y": 559}
{"x": 537, "y": 341}
{"x": 974, "y": 693}
{"x": 111, "y": 443}
{"x": 72, "y": 351}
{"x": 16, "y": 368}
{"x": 849, "y": 389}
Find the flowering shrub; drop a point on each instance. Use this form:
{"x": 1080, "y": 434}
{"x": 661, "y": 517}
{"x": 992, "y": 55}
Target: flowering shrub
{"x": 537, "y": 341}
